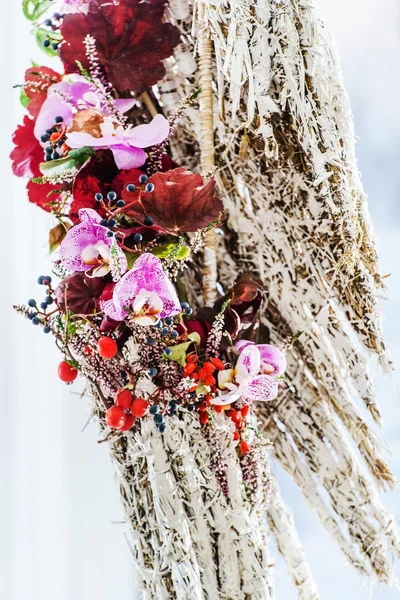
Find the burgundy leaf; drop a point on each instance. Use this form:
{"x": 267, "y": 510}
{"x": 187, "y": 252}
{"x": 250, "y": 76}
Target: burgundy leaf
{"x": 131, "y": 41}
{"x": 80, "y": 293}
{"x": 180, "y": 202}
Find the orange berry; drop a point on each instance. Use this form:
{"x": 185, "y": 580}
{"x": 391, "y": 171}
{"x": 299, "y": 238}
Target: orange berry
{"x": 208, "y": 399}
{"x": 218, "y": 408}
{"x": 123, "y": 398}
{"x": 233, "y": 414}
{"x": 245, "y": 410}
{"x": 67, "y": 373}
{"x": 244, "y": 447}
{"x": 190, "y": 368}
{"x": 209, "y": 380}
{"x": 236, "y": 435}
{"x": 129, "y": 421}
{"x": 107, "y": 347}
{"x": 191, "y": 358}
{"x": 204, "y": 418}
{"x": 202, "y": 373}
{"x": 139, "y": 407}
{"x": 209, "y": 367}
{"x": 217, "y": 362}
{"x": 115, "y": 417}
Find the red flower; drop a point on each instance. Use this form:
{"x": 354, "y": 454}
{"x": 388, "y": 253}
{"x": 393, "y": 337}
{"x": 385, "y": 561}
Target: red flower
{"x": 37, "y": 82}
{"x": 26, "y": 158}
{"x": 131, "y": 41}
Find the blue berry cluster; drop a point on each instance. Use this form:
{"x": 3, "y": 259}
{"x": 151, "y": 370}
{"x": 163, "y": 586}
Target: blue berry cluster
{"x": 52, "y": 152}
{"x": 32, "y": 303}
{"x": 54, "y": 25}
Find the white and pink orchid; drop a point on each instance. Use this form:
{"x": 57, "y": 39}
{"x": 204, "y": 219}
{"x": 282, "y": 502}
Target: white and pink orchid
{"x": 254, "y": 377}
{"x": 145, "y": 292}
{"x": 127, "y": 143}
{"x": 66, "y": 98}
{"x": 87, "y": 247}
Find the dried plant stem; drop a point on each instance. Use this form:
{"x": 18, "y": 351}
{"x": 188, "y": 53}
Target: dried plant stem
{"x": 207, "y": 147}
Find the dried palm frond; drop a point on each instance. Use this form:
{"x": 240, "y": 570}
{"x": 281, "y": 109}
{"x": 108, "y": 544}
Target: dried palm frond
{"x": 297, "y": 216}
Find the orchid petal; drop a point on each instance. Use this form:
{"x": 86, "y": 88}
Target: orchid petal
{"x": 52, "y": 107}
{"x": 261, "y": 389}
{"x": 248, "y": 364}
{"x": 150, "y": 134}
{"x": 125, "y": 104}
{"x": 270, "y": 355}
{"x": 128, "y": 157}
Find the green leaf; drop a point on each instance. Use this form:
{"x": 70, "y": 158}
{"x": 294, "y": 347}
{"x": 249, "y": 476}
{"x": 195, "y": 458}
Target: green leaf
{"x": 131, "y": 257}
{"x": 170, "y": 248}
{"x": 34, "y": 9}
{"x": 179, "y": 352}
{"x": 75, "y": 158}
{"x": 23, "y": 98}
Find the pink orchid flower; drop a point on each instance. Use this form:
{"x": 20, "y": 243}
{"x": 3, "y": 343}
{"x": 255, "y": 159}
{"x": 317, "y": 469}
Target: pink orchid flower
{"x": 87, "y": 246}
{"x": 66, "y": 98}
{"x": 252, "y": 379}
{"x": 145, "y": 291}
{"x": 125, "y": 144}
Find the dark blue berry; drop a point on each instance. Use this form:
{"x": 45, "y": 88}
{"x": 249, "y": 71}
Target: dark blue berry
{"x": 47, "y": 158}
{"x": 165, "y": 331}
{"x": 191, "y": 407}
{"x": 46, "y": 329}
{"x": 49, "y": 300}
{"x": 167, "y": 351}
{"x": 158, "y": 419}
{"x": 31, "y": 315}
{"x": 110, "y": 234}
{"x": 173, "y": 405}
{"x": 154, "y": 410}
{"x": 49, "y": 131}
{"x": 54, "y": 46}
{"x": 48, "y": 149}
{"x": 151, "y": 341}
{"x": 152, "y": 371}
{"x": 41, "y": 279}
{"x": 189, "y": 310}
{"x": 120, "y": 203}
{"x": 137, "y": 238}
{"x": 161, "y": 428}
{"x": 43, "y": 305}
{"x": 143, "y": 178}
{"x": 111, "y": 223}
{"x": 55, "y": 156}
{"x": 150, "y": 187}
{"x": 44, "y": 138}
{"x": 32, "y": 302}
{"x": 130, "y": 187}
{"x": 57, "y": 16}
{"x": 184, "y": 305}
{"x": 149, "y": 221}
{"x": 59, "y": 119}
{"x": 36, "y": 320}
{"x": 104, "y": 222}
{"x": 174, "y": 335}
{"x": 112, "y": 196}
{"x": 98, "y": 197}
{"x": 169, "y": 320}
{"x": 46, "y": 43}
{"x": 48, "y": 22}
{"x": 46, "y": 280}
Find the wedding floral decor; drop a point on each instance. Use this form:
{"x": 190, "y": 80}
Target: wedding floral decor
{"x": 178, "y": 171}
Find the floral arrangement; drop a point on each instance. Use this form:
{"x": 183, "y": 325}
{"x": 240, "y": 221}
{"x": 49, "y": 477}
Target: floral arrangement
{"x": 130, "y": 226}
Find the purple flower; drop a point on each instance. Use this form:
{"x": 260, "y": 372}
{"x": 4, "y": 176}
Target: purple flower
{"x": 87, "y": 247}
{"x": 66, "y": 98}
{"x": 145, "y": 291}
{"x": 125, "y": 144}
{"x": 252, "y": 379}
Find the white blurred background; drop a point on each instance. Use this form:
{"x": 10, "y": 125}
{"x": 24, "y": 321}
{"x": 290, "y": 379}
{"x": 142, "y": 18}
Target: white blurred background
{"x": 61, "y": 536}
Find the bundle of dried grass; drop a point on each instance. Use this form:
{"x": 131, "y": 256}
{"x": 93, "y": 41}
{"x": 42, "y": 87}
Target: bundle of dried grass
{"x": 297, "y": 216}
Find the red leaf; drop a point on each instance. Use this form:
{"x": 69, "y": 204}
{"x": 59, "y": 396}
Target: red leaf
{"x": 37, "y": 82}
{"x": 180, "y": 202}
{"x": 131, "y": 41}
{"x": 79, "y": 293}
{"x": 28, "y": 153}
{"x": 44, "y": 195}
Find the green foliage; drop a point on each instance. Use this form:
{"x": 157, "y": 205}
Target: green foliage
{"x": 34, "y": 9}
{"x": 177, "y": 251}
{"x": 179, "y": 351}
{"x": 75, "y": 159}
{"x": 23, "y": 98}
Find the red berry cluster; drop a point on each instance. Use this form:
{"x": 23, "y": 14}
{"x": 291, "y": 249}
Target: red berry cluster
{"x": 125, "y": 410}
{"x": 205, "y": 373}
